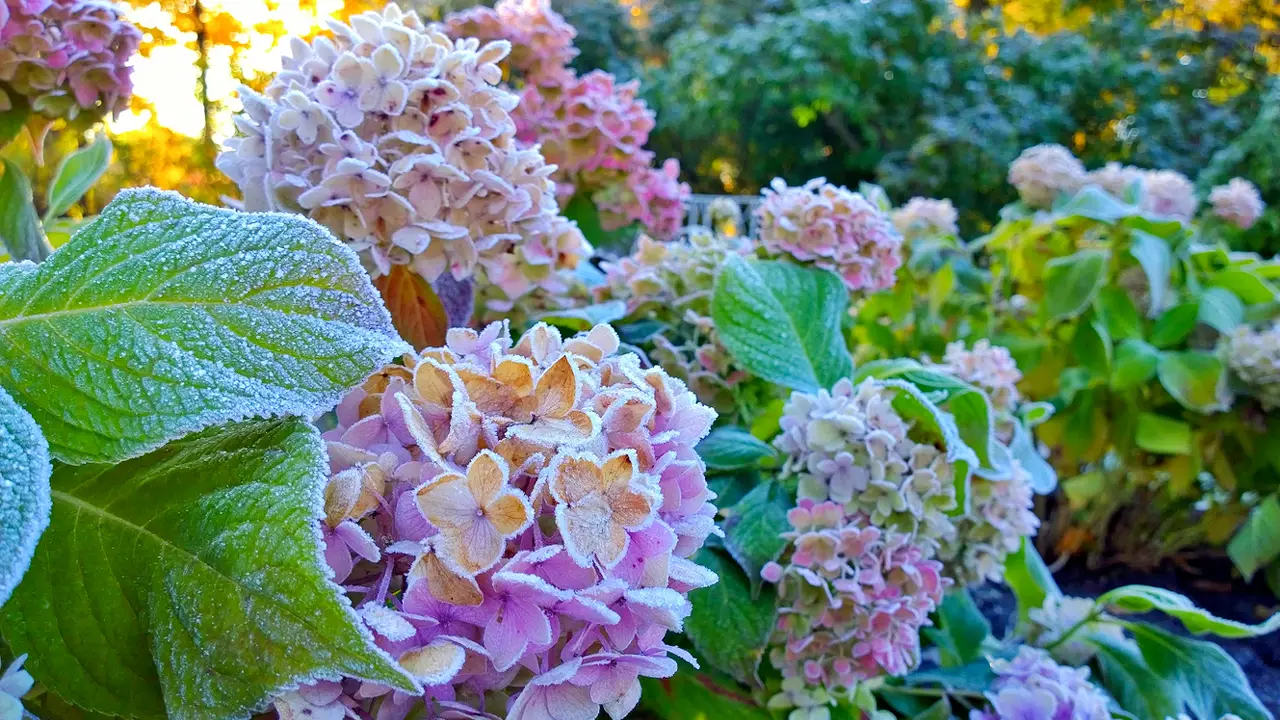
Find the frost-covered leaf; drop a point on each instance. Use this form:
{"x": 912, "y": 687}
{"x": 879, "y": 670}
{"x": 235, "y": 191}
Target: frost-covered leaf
{"x": 415, "y": 309}
{"x": 189, "y": 582}
{"x": 1071, "y": 282}
{"x": 1257, "y": 544}
{"x": 1043, "y": 478}
{"x": 781, "y": 321}
{"x": 24, "y": 492}
{"x": 731, "y": 448}
{"x": 1145, "y": 598}
{"x": 164, "y": 316}
{"x": 77, "y": 172}
{"x": 753, "y": 529}
{"x": 1094, "y": 203}
{"x": 727, "y": 628}
{"x": 1202, "y": 676}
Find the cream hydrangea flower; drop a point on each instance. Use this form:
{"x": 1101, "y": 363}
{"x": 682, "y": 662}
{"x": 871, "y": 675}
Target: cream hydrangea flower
{"x": 926, "y": 216}
{"x": 1254, "y": 358}
{"x": 1168, "y": 193}
{"x": 1000, "y": 516}
{"x": 400, "y": 141}
{"x": 1115, "y": 178}
{"x": 1238, "y": 202}
{"x": 1043, "y": 172}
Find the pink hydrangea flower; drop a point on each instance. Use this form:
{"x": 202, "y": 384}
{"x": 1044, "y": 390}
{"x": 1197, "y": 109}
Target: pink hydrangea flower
{"x": 853, "y": 598}
{"x": 541, "y": 40}
{"x": 926, "y": 216}
{"x": 1238, "y": 202}
{"x": 832, "y": 228}
{"x": 401, "y": 142}
{"x": 1168, "y": 193}
{"x": 1043, "y": 172}
{"x": 66, "y": 57}
{"x": 988, "y": 366}
{"x": 514, "y": 521}
{"x": 652, "y": 197}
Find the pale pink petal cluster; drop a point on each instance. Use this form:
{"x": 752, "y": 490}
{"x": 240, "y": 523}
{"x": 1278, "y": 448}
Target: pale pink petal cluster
{"x": 652, "y": 197}
{"x": 514, "y": 521}
{"x": 1253, "y": 357}
{"x": 988, "y": 366}
{"x": 401, "y": 142}
{"x": 850, "y": 446}
{"x": 541, "y": 40}
{"x": 672, "y": 283}
{"x": 1043, "y": 172}
{"x": 1168, "y": 193}
{"x": 66, "y": 57}
{"x": 1238, "y": 202}
{"x": 1032, "y": 686}
{"x": 1001, "y": 514}
{"x": 1115, "y": 178}
{"x": 833, "y": 228}
{"x": 853, "y": 598}
{"x": 926, "y": 217}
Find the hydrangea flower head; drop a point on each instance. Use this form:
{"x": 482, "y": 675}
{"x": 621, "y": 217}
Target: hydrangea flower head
{"x": 988, "y": 366}
{"x": 1000, "y": 515}
{"x": 850, "y": 446}
{"x": 399, "y": 140}
{"x": 1032, "y": 686}
{"x": 66, "y": 57}
{"x": 853, "y": 598}
{"x": 14, "y": 683}
{"x": 1062, "y": 614}
{"x": 1254, "y": 358}
{"x": 653, "y": 197}
{"x": 514, "y": 520}
{"x": 832, "y": 228}
{"x": 926, "y": 216}
{"x": 1043, "y": 172}
{"x": 1168, "y": 193}
{"x": 541, "y": 40}
{"x": 1238, "y": 202}
{"x": 1115, "y": 178}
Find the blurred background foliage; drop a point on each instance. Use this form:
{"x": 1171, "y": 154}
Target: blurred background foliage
{"x": 925, "y": 97}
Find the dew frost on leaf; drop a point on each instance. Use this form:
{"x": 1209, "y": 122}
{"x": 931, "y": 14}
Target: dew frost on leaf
{"x": 24, "y": 492}
{"x": 190, "y": 582}
{"x": 164, "y": 316}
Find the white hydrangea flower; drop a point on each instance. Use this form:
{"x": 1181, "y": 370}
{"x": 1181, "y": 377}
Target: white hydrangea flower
{"x": 1168, "y": 193}
{"x": 1042, "y": 172}
{"x": 926, "y": 216}
{"x": 401, "y": 142}
{"x": 1115, "y": 178}
{"x": 1254, "y": 357}
{"x": 850, "y": 446}
{"x": 1059, "y": 615}
{"x": 1238, "y": 202}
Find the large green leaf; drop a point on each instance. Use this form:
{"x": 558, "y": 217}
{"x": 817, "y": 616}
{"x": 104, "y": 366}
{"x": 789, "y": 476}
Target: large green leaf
{"x": 1195, "y": 378}
{"x": 731, "y": 448}
{"x": 20, "y": 231}
{"x": 691, "y": 695}
{"x": 1030, "y": 580}
{"x": 164, "y": 316}
{"x": 1071, "y": 282}
{"x": 24, "y": 491}
{"x": 77, "y": 172}
{"x": 1159, "y": 434}
{"x": 753, "y": 529}
{"x": 1156, "y": 259}
{"x": 1135, "y": 686}
{"x": 1257, "y": 544}
{"x": 1202, "y": 676}
{"x": 959, "y": 629}
{"x": 1220, "y": 309}
{"x": 781, "y": 321}
{"x": 1135, "y": 364}
{"x": 727, "y": 627}
{"x": 1145, "y": 598}
{"x": 189, "y": 582}
{"x": 1247, "y": 284}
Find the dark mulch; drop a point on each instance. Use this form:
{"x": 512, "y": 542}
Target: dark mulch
{"x": 1212, "y": 587}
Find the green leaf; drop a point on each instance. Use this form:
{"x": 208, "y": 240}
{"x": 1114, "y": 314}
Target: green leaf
{"x": 1246, "y": 284}
{"x": 976, "y": 677}
{"x": 20, "y": 230}
{"x": 1135, "y": 364}
{"x": 940, "y": 710}
{"x": 164, "y": 316}
{"x": 727, "y": 627}
{"x": 1257, "y": 544}
{"x": 730, "y": 448}
{"x": 1159, "y": 434}
{"x": 1156, "y": 259}
{"x": 692, "y": 695}
{"x": 1094, "y": 203}
{"x": 1220, "y": 309}
{"x": 24, "y": 492}
{"x": 1203, "y": 677}
{"x": 190, "y": 582}
{"x": 753, "y": 529}
{"x": 1118, "y": 313}
{"x": 1135, "y": 686}
{"x": 1092, "y": 347}
{"x": 781, "y": 321}
{"x": 1196, "y": 379}
{"x": 12, "y": 120}
{"x": 1145, "y": 598}
{"x": 914, "y": 405}
{"x": 77, "y": 172}
{"x": 1043, "y": 478}
{"x": 1029, "y": 579}
{"x": 1175, "y": 325}
{"x": 583, "y": 211}
{"x": 587, "y": 317}
{"x": 969, "y": 408}
{"x": 1072, "y": 281}
{"x": 941, "y": 285}
{"x": 959, "y": 629}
